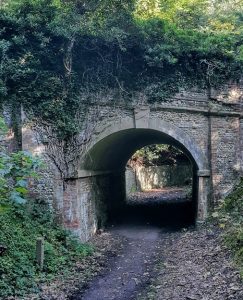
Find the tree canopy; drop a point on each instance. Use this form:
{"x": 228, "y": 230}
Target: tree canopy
{"x": 53, "y": 52}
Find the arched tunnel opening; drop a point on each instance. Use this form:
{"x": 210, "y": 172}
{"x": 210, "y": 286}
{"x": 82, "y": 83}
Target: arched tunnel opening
{"x": 108, "y": 160}
{"x": 159, "y": 187}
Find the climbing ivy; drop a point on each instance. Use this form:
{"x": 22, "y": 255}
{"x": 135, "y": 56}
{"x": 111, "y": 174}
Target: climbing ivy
{"x": 54, "y": 51}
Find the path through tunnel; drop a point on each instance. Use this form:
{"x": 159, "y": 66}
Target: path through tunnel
{"x": 159, "y": 186}
{"x": 108, "y": 159}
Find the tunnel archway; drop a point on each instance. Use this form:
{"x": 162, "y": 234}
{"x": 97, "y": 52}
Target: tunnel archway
{"x": 125, "y": 134}
{"x": 106, "y": 159}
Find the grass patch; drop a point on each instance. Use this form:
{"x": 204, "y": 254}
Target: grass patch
{"x": 20, "y": 226}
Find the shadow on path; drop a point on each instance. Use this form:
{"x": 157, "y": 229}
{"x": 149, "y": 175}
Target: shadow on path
{"x": 164, "y": 208}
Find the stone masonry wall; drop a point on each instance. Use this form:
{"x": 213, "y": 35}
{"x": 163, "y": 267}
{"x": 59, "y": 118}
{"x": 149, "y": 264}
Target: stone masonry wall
{"x": 225, "y": 162}
{"x": 194, "y": 124}
{"x": 11, "y": 141}
{"x": 77, "y": 209}
{"x": 155, "y": 177}
{"x": 48, "y": 185}
{"x": 215, "y": 125}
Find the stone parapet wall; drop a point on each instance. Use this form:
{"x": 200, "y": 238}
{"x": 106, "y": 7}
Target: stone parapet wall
{"x": 230, "y": 93}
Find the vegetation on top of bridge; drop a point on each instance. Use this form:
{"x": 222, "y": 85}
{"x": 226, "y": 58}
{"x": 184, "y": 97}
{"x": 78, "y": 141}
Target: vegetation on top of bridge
{"x": 55, "y": 53}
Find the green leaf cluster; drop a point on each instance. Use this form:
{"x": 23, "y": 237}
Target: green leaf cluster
{"x": 158, "y": 154}
{"x": 20, "y": 226}
{"x": 15, "y": 170}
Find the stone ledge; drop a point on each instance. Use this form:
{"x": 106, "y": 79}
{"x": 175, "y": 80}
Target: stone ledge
{"x": 90, "y": 173}
{"x": 203, "y": 173}
{"x": 198, "y": 111}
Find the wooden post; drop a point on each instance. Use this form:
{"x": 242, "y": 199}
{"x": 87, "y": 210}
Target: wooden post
{"x": 40, "y": 252}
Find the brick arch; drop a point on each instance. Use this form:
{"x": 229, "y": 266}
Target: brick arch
{"x": 117, "y": 141}
{"x": 106, "y": 140}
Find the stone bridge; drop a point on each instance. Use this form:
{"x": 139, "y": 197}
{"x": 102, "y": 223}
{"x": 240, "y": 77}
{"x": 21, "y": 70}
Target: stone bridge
{"x": 207, "y": 126}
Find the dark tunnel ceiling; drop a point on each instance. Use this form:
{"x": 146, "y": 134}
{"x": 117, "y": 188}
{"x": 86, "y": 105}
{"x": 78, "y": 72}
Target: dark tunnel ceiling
{"x": 113, "y": 152}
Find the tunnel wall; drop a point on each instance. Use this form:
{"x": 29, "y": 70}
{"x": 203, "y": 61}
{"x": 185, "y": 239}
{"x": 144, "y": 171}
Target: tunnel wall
{"x": 142, "y": 178}
{"x": 88, "y": 202}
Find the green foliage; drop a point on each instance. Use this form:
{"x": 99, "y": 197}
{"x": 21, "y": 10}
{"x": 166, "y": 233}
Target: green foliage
{"x": 230, "y": 218}
{"x": 15, "y": 170}
{"x": 3, "y": 128}
{"x": 157, "y": 154}
{"x": 20, "y": 226}
{"x": 22, "y": 220}
{"x": 54, "y": 51}
{"x": 202, "y": 15}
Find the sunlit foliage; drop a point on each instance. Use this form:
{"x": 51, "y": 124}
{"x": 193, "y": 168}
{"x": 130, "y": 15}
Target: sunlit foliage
{"x": 195, "y": 14}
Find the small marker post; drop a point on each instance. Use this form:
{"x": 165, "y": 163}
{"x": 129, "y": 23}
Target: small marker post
{"x": 40, "y": 252}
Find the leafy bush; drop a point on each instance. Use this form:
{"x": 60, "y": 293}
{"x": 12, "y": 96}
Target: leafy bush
{"x": 15, "y": 169}
{"x": 158, "y": 154}
{"x": 230, "y": 218}
{"x": 20, "y": 226}
{"x": 22, "y": 221}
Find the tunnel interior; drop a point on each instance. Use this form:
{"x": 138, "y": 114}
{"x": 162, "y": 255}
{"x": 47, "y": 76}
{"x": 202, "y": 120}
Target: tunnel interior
{"x": 109, "y": 157}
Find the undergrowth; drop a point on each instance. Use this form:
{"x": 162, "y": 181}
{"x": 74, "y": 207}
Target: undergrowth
{"x": 21, "y": 225}
{"x": 230, "y": 219}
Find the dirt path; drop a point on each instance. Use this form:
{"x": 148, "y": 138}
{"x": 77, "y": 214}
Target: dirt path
{"x": 152, "y": 253}
{"x": 160, "y": 265}
{"x": 165, "y": 260}
{"x": 159, "y": 196}
{"x": 131, "y": 270}
{"x": 140, "y": 230}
